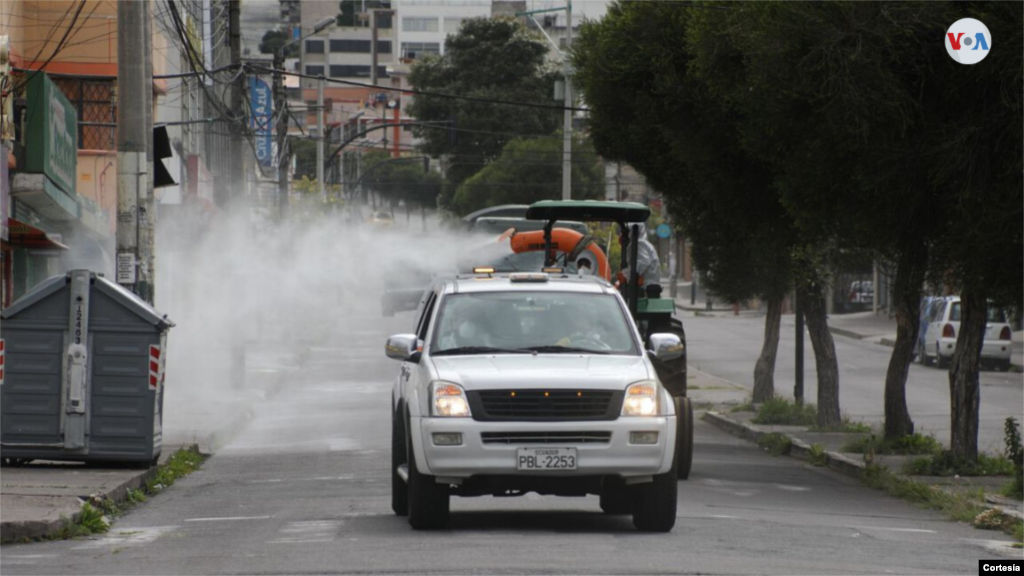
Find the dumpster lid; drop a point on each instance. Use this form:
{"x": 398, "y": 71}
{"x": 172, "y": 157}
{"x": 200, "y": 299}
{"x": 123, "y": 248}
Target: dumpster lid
{"x": 126, "y": 298}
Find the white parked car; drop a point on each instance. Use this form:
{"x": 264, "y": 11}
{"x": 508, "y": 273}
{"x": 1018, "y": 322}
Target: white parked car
{"x": 529, "y": 382}
{"x": 939, "y": 342}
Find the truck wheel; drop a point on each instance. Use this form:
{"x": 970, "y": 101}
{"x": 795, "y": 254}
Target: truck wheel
{"x": 428, "y": 500}
{"x": 399, "y": 491}
{"x": 655, "y": 507}
{"x": 617, "y": 501}
{"x": 939, "y": 361}
{"x": 684, "y": 437}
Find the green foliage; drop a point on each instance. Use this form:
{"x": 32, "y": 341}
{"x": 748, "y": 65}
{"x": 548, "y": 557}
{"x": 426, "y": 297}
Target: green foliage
{"x": 90, "y": 520}
{"x": 994, "y": 519}
{"x": 746, "y": 406}
{"x": 181, "y": 463}
{"x": 273, "y": 39}
{"x": 401, "y": 179}
{"x": 775, "y": 443}
{"x": 960, "y": 506}
{"x": 781, "y": 411}
{"x": 817, "y": 455}
{"x": 945, "y": 463}
{"x": 914, "y": 444}
{"x": 489, "y": 58}
{"x": 349, "y": 9}
{"x": 529, "y": 170}
{"x": 1015, "y": 454}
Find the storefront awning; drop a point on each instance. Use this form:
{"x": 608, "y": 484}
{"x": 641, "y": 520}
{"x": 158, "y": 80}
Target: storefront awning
{"x": 26, "y": 236}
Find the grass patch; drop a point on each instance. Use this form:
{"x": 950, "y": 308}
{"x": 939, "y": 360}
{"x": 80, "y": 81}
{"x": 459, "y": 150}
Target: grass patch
{"x": 959, "y": 506}
{"x": 781, "y": 411}
{"x": 181, "y": 463}
{"x": 848, "y": 426}
{"x": 747, "y": 406}
{"x": 1011, "y": 490}
{"x": 945, "y": 464}
{"x": 90, "y": 521}
{"x": 775, "y": 443}
{"x": 817, "y": 456}
{"x": 915, "y": 444}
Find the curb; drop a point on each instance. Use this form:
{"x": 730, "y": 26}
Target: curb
{"x": 32, "y": 529}
{"x": 845, "y": 333}
{"x": 798, "y": 448}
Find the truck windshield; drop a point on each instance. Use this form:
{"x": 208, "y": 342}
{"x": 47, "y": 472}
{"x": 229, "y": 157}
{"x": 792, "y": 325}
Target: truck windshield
{"x": 545, "y": 322}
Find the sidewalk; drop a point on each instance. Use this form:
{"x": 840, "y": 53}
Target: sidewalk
{"x": 36, "y": 497}
{"x": 880, "y": 329}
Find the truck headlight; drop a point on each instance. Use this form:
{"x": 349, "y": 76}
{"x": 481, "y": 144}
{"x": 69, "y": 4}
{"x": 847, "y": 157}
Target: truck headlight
{"x": 641, "y": 399}
{"x": 449, "y": 400}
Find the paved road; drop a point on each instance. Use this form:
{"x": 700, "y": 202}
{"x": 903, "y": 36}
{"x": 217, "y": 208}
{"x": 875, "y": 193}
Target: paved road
{"x": 305, "y": 489}
{"x": 728, "y": 346}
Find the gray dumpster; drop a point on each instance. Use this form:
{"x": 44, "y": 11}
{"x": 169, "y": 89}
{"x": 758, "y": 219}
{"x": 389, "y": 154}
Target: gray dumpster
{"x": 83, "y": 373}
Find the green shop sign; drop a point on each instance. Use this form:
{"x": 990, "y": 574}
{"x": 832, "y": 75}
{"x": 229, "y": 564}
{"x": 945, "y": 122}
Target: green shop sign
{"x": 51, "y": 137}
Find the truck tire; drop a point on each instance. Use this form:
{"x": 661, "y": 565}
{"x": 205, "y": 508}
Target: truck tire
{"x": 684, "y": 437}
{"x": 654, "y": 507}
{"x": 399, "y": 491}
{"x": 939, "y": 361}
{"x": 428, "y": 501}
{"x": 617, "y": 501}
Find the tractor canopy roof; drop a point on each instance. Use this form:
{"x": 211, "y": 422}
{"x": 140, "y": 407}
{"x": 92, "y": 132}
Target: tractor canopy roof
{"x": 588, "y": 210}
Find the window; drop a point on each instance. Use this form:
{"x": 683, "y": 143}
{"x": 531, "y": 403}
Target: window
{"x": 520, "y": 320}
{"x": 315, "y": 70}
{"x": 314, "y": 46}
{"x": 356, "y": 71}
{"x": 416, "y": 49}
{"x": 419, "y": 24}
{"x": 452, "y": 25}
{"x": 94, "y": 100}
{"x": 362, "y": 46}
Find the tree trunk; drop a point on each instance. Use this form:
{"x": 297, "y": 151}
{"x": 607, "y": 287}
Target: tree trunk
{"x": 764, "y": 370}
{"x": 907, "y": 294}
{"x": 813, "y": 301}
{"x": 964, "y": 391}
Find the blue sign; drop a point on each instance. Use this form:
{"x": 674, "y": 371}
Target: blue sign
{"x": 664, "y": 231}
{"x": 262, "y": 111}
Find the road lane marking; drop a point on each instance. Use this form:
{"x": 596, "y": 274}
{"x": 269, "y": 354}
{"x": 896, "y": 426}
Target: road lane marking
{"x": 307, "y": 532}
{"x": 228, "y": 518}
{"x": 126, "y": 537}
{"x": 792, "y": 488}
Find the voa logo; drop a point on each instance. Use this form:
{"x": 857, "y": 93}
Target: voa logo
{"x": 968, "y": 41}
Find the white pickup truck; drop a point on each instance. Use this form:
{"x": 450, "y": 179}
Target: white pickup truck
{"x": 522, "y": 382}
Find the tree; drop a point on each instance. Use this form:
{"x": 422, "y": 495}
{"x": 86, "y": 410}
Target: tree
{"x": 529, "y": 170}
{"x": 349, "y": 10}
{"x": 490, "y": 59}
{"x": 647, "y": 109}
{"x": 272, "y": 41}
{"x": 402, "y": 180}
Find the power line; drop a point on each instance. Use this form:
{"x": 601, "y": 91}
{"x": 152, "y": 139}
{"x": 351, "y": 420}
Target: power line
{"x": 418, "y": 92}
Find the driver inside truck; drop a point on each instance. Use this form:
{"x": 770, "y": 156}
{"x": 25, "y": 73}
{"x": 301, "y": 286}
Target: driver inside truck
{"x": 581, "y": 328}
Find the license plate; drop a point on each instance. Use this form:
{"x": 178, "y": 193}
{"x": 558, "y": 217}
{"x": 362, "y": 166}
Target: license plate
{"x": 546, "y": 459}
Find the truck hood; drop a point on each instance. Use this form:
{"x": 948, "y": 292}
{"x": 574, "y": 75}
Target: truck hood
{"x": 542, "y": 371}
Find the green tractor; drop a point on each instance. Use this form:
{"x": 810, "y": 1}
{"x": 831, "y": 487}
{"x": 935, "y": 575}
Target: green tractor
{"x": 652, "y": 313}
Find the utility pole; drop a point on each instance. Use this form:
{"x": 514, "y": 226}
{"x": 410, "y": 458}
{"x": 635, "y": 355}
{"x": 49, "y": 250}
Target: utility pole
{"x": 281, "y": 106}
{"x": 320, "y": 138}
{"x": 374, "y": 14}
{"x": 135, "y": 264}
{"x": 237, "y": 128}
{"x": 567, "y": 113}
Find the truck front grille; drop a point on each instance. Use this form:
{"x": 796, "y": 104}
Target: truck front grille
{"x": 545, "y": 405}
{"x": 546, "y": 437}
